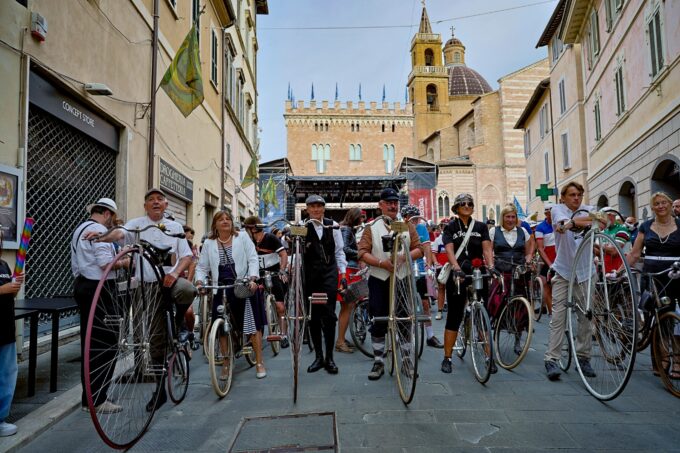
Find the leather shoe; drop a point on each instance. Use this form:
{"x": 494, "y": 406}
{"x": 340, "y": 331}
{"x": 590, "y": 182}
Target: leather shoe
{"x": 316, "y": 365}
{"x": 434, "y": 343}
{"x": 331, "y": 367}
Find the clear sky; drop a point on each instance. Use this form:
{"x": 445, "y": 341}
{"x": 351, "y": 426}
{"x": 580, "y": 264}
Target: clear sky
{"x": 496, "y": 44}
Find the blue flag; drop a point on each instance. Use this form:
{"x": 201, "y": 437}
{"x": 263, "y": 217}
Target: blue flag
{"x": 520, "y": 212}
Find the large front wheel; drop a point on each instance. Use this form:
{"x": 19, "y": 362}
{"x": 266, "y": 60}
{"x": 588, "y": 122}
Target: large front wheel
{"x": 514, "y": 329}
{"x": 403, "y": 323}
{"x": 125, "y": 348}
{"x": 602, "y": 317}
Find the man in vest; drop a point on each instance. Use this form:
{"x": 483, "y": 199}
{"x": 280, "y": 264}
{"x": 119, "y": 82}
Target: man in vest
{"x": 323, "y": 259}
{"x": 371, "y": 252}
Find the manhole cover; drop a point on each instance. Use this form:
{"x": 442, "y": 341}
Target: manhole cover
{"x": 286, "y": 433}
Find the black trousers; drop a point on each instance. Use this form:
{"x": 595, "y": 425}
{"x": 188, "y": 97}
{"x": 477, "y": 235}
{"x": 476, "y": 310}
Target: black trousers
{"x": 323, "y": 318}
{"x": 103, "y": 338}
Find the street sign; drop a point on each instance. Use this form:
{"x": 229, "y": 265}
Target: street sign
{"x": 545, "y": 192}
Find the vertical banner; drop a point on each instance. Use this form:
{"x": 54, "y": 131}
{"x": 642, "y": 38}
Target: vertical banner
{"x": 272, "y": 197}
{"x": 423, "y": 199}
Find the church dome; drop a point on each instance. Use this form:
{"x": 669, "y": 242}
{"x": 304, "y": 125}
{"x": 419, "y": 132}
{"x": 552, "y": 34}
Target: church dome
{"x": 465, "y": 81}
{"x": 453, "y": 42}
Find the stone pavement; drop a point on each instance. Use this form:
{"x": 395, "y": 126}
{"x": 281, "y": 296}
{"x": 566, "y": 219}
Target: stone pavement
{"x": 514, "y": 411}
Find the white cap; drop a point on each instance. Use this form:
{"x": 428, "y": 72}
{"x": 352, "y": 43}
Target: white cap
{"x": 104, "y": 203}
{"x": 548, "y": 206}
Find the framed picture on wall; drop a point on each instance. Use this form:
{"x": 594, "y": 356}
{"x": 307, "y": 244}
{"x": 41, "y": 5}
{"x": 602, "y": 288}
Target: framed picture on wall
{"x": 11, "y": 183}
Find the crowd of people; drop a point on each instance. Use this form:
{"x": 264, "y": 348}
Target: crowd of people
{"x": 333, "y": 253}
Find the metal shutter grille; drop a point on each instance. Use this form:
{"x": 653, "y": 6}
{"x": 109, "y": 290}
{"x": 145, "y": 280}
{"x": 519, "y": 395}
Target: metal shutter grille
{"x": 178, "y": 208}
{"x": 66, "y": 171}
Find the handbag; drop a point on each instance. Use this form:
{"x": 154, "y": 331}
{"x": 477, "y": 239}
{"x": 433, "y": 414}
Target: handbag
{"x": 241, "y": 289}
{"x": 446, "y": 270}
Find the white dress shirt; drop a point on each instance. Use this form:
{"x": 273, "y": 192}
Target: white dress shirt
{"x": 89, "y": 258}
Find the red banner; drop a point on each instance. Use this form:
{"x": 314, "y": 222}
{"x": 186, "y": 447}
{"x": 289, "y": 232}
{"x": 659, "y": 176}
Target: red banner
{"x": 423, "y": 199}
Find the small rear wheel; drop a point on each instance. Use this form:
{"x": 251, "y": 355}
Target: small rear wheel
{"x": 360, "y": 323}
{"x": 178, "y": 376}
{"x": 273, "y": 323}
{"x": 536, "y": 297}
{"x": 565, "y": 358}
{"x": 461, "y": 339}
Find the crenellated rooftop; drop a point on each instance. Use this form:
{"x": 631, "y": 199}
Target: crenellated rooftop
{"x": 301, "y": 107}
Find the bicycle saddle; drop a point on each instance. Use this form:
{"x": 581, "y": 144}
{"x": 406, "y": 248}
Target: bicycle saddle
{"x": 160, "y": 254}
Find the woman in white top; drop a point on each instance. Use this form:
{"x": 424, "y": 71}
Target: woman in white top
{"x": 228, "y": 256}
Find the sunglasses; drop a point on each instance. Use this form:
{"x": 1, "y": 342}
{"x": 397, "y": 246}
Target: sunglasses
{"x": 468, "y": 204}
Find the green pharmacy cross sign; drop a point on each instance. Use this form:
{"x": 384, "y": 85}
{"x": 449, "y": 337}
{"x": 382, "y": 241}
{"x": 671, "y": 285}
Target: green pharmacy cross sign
{"x": 545, "y": 192}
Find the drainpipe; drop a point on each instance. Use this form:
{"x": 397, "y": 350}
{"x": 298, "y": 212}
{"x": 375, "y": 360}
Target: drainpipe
{"x": 152, "y": 115}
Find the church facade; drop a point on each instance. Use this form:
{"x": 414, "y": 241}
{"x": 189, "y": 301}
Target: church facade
{"x": 454, "y": 119}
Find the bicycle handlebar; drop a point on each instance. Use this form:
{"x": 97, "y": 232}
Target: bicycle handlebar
{"x": 673, "y": 271}
{"x": 159, "y": 226}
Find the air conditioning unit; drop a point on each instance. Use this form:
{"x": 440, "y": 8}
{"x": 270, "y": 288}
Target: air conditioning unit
{"x": 38, "y": 27}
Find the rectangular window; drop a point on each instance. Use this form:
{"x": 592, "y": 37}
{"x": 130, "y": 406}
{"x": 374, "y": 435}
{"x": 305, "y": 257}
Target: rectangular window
{"x": 228, "y": 156}
{"x": 546, "y": 167}
{"x": 240, "y": 172}
{"x": 594, "y": 36}
{"x": 531, "y": 194}
{"x": 598, "y": 124}
{"x": 556, "y": 48}
{"x": 196, "y": 18}
{"x": 566, "y": 161}
{"x": 563, "y": 97}
{"x": 213, "y": 58}
{"x": 654, "y": 33}
{"x": 541, "y": 119}
{"x": 620, "y": 91}
{"x": 527, "y": 143}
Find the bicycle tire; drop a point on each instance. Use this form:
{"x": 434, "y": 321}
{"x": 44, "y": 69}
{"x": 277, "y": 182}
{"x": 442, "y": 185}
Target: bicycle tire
{"x": 273, "y": 323}
{"x": 536, "y": 295}
{"x": 359, "y": 328}
{"x": 565, "y": 360}
{"x": 646, "y": 325}
{"x": 250, "y": 357}
{"x": 403, "y": 322}
{"x": 205, "y": 321}
{"x": 613, "y": 322}
{"x": 481, "y": 343}
{"x": 666, "y": 346}
{"x": 513, "y": 332}
{"x": 461, "y": 339}
{"x": 296, "y": 314}
{"x": 178, "y": 375}
{"x": 222, "y": 349}
{"x": 119, "y": 333}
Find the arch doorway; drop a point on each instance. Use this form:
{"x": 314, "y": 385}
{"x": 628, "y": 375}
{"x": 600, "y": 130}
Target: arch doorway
{"x": 666, "y": 177}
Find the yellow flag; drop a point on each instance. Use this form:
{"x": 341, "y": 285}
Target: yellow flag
{"x": 251, "y": 174}
{"x": 182, "y": 81}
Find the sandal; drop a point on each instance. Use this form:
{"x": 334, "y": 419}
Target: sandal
{"x": 260, "y": 374}
{"x": 343, "y": 347}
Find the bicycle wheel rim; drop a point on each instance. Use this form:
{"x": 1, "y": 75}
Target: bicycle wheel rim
{"x": 565, "y": 360}
{"x": 461, "y": 339}
{"x": 221, "y": 353}
{"x": 295, "y": 312}
{"x": 421, "y": 338}
{"x": 481, "y": 347}
{"x": 359, "y": 328}
{"x": 536, "y": 293}
{"x": 205, "y": 322}
{"x": 404, "y": 328}
{"x": 122, "y": 312}
{"x": 666, "y": 345}
{"x": 610, "y": 318}
{"x": 513, "y": 332}
{"x": 178, "y": 376}
{"x": 273, "y": 324}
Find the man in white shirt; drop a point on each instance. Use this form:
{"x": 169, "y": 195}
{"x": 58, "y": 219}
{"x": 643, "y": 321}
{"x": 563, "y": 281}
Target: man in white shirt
{"x": 182, "y": 291}
{"x": 567, "y": 243}
{"x": 88, "y": 262}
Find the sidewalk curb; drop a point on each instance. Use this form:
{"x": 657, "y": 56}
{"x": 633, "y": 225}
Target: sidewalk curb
{"x": 40, "y": 420}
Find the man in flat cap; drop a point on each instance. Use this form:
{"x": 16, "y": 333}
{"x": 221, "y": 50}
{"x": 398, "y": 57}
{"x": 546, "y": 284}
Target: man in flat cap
{"x": 323, "y": 259}
{"x": 88, "y": 262}
{"x": 371, "y": 252}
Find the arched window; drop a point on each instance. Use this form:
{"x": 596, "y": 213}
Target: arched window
{"x": 321, "y": 154}
{"x": 326, "y": 127}
{"x": 383, "y": 128}
{"x": 443, "y": 204}
{"x": 602, "y": 201}
{"x": 666, "y": 177}
{"x": 357, "y": 127}
{"x": 429, "y": 57}
{"x": 388, "y": 158}
{"x": 627, "y": 205}
{"x": 432, "y": 102}
{"x": 456, "y": 57}
{"x": 393, "y": 128}
{"x": 355, "y": 152}
{"x": 352, "y": 127}
{"x": 316, "y": 127}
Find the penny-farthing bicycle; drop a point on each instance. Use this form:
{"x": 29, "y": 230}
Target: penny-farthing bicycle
{"x": 602, "y": 311}
{"x": 401, "y": 343}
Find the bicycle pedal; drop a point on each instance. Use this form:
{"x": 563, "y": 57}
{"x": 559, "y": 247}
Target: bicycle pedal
{"x": 318, "y": 298}
{"x": 271, "y": 338}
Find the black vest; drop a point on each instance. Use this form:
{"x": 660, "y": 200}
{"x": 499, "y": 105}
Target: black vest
{"x": 320, "y": 253}
{"x": 506, "y": 254}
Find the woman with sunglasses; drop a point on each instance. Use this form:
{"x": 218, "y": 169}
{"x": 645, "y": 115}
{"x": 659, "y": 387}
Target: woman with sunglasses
{"x": 478, "y": 246}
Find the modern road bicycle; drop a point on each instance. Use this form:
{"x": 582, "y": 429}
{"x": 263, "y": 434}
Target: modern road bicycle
{"x": 475, "y": 328}
{"x": 601, "y": 306}
{"x": 131, "y": 346}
